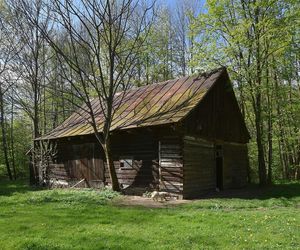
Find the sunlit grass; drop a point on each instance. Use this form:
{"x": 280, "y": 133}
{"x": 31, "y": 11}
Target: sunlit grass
{"x": 71, "y": 219}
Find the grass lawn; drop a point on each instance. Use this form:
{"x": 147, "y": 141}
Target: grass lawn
{"x": 64, "y": 219}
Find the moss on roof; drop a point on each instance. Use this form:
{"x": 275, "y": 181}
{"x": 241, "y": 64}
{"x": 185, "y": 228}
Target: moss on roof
{"x": 156, "y": 104}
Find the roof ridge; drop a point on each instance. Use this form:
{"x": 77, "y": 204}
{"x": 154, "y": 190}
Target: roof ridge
{"x": 204, "y": 74}
{"x": 213, "y": 71}
{"x": 135, "y": 88}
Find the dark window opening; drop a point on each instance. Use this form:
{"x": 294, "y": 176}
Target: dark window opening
{"x": 126, "y": 162}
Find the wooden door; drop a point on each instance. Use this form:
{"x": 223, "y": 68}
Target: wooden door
{"x": 86, "y": 163}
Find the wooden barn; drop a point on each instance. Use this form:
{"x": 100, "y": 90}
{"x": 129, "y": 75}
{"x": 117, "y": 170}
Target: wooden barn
{"x": 185, "y": 136}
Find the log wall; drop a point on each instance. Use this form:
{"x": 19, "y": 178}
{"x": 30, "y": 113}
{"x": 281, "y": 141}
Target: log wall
{"x": 180, "y": 165}
{"x": 143, "y": 150}
{"x": 58, "y": 171}
{"x": 78, "y": 156}
{"x": 199, "y": 167}
{"x": 171, "y": 165}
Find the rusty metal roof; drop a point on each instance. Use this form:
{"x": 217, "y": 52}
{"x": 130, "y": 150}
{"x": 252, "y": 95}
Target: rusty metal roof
{"x": 150, "y": 105}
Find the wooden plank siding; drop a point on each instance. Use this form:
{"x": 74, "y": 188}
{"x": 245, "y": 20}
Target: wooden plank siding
{"x": 236, "y": 163}
{"x": 218, "y": 116}
{"x": 79, "y": 161}
{"x": 58, "y": 171}
{"x": 171, "y": 164}
{"x": 199, "y": 167}
{"x": 180, "y": 165}
{"x": 143, "y": 150}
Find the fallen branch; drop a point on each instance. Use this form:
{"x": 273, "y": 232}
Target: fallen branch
{"x": 78, "y": 183}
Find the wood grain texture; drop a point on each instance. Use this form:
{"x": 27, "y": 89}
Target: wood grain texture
{"x": 171, "y": 164}
{"x": 235, "y": 165}
{"x": 199, "y": 167}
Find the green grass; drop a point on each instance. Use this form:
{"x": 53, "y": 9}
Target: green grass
{"x": 64, "y": 219}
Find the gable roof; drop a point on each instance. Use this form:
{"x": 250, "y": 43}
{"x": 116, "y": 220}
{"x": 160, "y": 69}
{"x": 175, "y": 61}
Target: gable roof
{"x": 156, "y": 104}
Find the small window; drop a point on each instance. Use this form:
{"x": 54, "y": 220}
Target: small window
{"x": 126, "y": 162}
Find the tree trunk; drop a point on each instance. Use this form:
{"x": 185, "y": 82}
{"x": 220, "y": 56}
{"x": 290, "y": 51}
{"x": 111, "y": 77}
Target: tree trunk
{"x": 270, "y": 126}
{"x": 12, "y": 140}
{"x": 34, "y": 165}
{"x": 110, "y": 166}
{"x": 270, "y": 149}
{"x": 147, "y": 70}
{"x": 4, "y": 142}
{"x": 258, "y": 100}
{"x": 261, "y": 160}
{"x": 260, "y": 149}
{"x": 283, "y": 149}
{"x": 191, "y": 54}
{"x": 281, "y": 135}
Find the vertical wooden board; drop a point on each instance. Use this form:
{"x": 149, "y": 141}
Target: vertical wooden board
{"x": 199, "y": 167}
{"x": 72, "y": 167}
{"x": 218, "y": 117}
{"x": 85, "y": 169}
{"x": 99, "y": 168}
{"x": 90, "y": 174}
{"x": 79, "y": 161}
{"x": 236, "y": 165}
{"x": 88, "y": 166}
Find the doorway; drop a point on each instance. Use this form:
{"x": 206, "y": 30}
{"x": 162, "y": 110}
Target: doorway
{"x": 219, "y": 167}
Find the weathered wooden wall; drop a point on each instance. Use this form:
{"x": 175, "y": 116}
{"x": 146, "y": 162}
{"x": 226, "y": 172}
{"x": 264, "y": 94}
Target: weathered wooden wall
{"x": 218, "y": 121}
{"x": 218, "y": 117}
{"x": 171, "y": 164}
{"x": 183, "y": 166}
{"x": 83, "y": 158}
{"x": 235, "y": 162}
{"x": 143, "y": 149}
{"x": 78, "y": 156}
{"x": 59, "y": 171}
{"x": 199, "y": 167}
{"x": 79, "y": 161}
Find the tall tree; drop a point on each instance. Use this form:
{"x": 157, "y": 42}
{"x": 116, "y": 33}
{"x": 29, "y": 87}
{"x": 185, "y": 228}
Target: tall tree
{"x": 8, "y": 52}
{"x": 245, "y": 35}
{"x": 184, "y": 13}
{"x": 31, "y": 62}
{"x": 101, "y": 46}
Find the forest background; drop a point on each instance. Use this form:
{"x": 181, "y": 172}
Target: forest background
{"x": 257, "y": 40}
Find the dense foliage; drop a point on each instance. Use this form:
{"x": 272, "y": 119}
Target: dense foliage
{"x": 259, "y": 42}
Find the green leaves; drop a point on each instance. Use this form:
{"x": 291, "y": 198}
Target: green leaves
{"x": 256, "y": 40}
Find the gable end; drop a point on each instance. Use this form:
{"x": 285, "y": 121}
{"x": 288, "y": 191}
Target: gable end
{"x": 218, "y": 117}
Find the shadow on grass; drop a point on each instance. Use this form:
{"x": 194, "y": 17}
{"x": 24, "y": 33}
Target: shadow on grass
{"x": 281, "y": 190}
{"x": 8, "y": 187}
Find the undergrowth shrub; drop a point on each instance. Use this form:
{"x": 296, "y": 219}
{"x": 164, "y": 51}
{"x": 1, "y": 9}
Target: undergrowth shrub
{"x": 73, "y": 196}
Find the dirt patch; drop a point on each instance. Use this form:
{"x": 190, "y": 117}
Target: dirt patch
{"x": 140, "y": 201}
